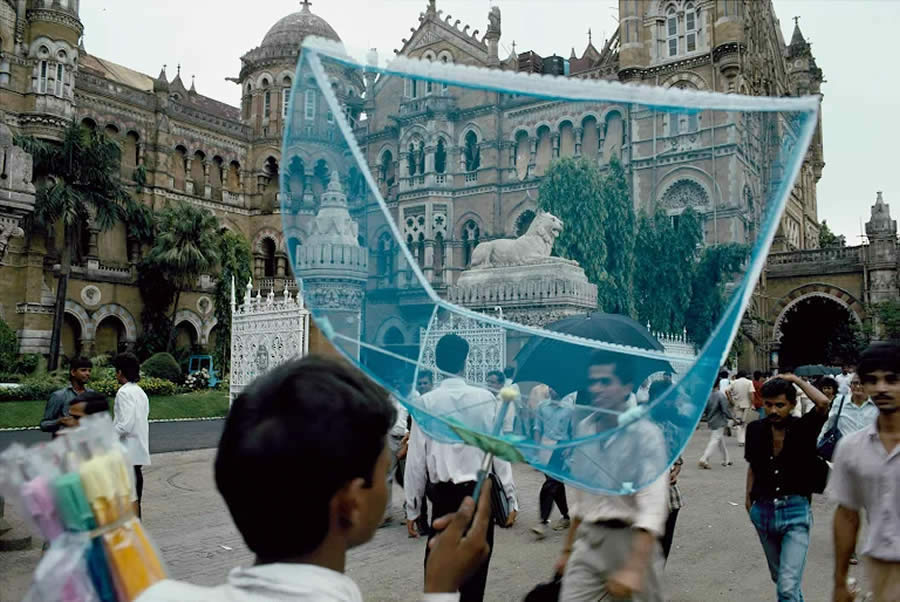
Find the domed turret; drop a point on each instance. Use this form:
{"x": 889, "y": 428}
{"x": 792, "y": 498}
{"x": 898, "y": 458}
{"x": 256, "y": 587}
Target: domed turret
{"x": 292, "y": 29}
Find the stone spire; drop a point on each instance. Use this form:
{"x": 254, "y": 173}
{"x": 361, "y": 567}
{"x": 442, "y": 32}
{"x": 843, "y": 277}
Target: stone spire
{"x": 798, "y": 44}
{"x": 161, "y": 83}
{"x": 880, "y": 225}
{"x": 333, "y": 224}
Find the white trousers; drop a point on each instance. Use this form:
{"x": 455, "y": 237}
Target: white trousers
{"x": 716, "y": 439}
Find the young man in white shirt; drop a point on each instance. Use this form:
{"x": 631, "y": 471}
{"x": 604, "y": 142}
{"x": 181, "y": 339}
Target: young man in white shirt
{"x": 843, "y": 380}
{"x": 447, "y": 472}
{"x": 613, "y": 547}
{"x": 132, "y": 418}
{"x": 328, "y": 414}
{"x": 740, "y": 393}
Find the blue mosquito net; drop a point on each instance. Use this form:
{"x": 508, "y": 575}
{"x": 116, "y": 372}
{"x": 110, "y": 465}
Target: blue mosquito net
{"x": 588, "y": 245}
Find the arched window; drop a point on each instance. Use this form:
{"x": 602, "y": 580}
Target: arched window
{"x": 387, "y": 168}
{"x": 473, "y": 153}
{"x": 234, "y": 177}
{"x": 420, "y": 250}
{"x": 309, "y": 104}
{"x": 42, "y": 78}
{"x": 523, "y": 154}
{"x": 60, "y": 81}
{"x": 440, "y": 157}
{"x": 438, "y": 256}
{"x": 411, "y": 163}
{"x": 672, "y": 31}
{"x": 267, "y": 104}
{"x": 322, "y": 176}
{"x": 690, "y": 27}
{"x": 470, "y": 236}
{"x": 394, "y": 337}
{"x": 524, "y": 221}
{"x": 268, "y": 247}
{"x": 385, "y": 259}
{"x": 420, "y": 157}
{"x": 180, "y": 168}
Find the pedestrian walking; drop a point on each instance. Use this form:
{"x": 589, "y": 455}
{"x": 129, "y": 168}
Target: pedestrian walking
{"x": 397, "y": 438}
{"x": 448, "y": 472}
{"x": 740, "y": 393}
{"x": 613, "y": 546}
{"x": 56, "y": 412}
{"x": 555, "y": 420}
{"x": 851, "y": 413}
{"x": 329, "y": 414}
{"x": 866, "y": 476}
{"x": 132, "y": 419}
{"x": 718, "y": 416}
{"x": 676, "y": 503}
{"x": 784, "y": 471}
{"x": 757, "y": 396}
{"x": 844, "y": 379}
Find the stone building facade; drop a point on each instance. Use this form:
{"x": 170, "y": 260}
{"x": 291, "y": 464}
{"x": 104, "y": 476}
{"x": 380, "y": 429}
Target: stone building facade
{"x": 456, "y": 167}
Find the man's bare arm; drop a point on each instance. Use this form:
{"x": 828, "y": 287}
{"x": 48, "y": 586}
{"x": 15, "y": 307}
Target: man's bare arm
{"x": 846, "y": 528}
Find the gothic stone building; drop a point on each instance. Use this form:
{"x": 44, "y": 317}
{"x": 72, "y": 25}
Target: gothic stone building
{"x": 455, "y": 166}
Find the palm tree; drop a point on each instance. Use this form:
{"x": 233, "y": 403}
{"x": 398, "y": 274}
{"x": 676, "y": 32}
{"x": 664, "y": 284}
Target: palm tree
{"x": 80, "y": 185}
{"x": 186, "y": 247}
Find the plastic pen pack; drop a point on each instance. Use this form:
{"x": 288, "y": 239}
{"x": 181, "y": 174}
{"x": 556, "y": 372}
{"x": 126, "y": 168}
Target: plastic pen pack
{"x": 78, "y": 493}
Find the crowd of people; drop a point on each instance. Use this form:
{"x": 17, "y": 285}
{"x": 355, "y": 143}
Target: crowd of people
{"x": 839, "y": 435}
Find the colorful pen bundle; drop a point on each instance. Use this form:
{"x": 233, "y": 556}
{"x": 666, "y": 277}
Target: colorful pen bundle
{"x": 78, "y": 492}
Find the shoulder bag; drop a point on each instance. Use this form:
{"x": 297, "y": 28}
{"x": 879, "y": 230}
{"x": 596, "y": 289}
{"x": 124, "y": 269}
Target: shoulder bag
{"x": 832, "y": 435}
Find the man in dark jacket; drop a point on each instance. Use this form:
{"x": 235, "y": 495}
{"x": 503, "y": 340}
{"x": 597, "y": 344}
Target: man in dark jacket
{"x": 718, "y": 413}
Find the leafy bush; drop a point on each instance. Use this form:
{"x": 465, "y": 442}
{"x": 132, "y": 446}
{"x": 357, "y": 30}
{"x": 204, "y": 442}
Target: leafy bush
{"x": 39, "y": 387}
{"x": 157, "y": 386}
{"x": 42, "y": 387}
{"x": 196, "y": 381}
{"x": 8, "y": 348}
{"x": 10, "y": 377}
{"x": 162, "y": 365}
{"x": 224, "y": 384}
{"x": 100, "y": 361}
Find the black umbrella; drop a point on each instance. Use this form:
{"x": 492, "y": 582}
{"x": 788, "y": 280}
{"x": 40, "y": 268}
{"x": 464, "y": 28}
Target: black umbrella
{"x": 563, "y": 366}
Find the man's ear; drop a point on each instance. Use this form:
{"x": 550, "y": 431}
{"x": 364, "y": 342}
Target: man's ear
{"x": 347, "y": 505}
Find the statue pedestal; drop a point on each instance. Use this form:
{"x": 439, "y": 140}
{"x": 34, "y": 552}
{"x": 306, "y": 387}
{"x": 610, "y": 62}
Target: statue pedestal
{"x": 533, "y": 294}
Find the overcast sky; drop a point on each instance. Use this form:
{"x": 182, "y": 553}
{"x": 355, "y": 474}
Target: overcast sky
{"x": 853, "y": 41}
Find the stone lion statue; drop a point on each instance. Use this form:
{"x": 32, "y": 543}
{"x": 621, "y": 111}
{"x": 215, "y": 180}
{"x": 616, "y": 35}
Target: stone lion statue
{"x": 532, "y": 247}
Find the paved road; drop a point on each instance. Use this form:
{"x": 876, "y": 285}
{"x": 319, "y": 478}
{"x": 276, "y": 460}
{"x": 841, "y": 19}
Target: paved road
{"x": 164, "y": 436}
{"x": 716, "y": 554}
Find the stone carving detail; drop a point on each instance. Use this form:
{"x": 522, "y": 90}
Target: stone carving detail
{"x": 532, "y": 247}
{"x": 487, "y": 345}
{"x": 204, "y": 305}
{"x": 265, "y": 332}
{"x": 494, "y": 20}
{"x": 335, "y": 296}
{"x": 91, "y": 295}
{"x": 684, "y": 193}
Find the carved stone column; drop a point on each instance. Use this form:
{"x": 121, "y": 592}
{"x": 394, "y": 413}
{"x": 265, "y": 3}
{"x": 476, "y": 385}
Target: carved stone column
{"x": 188, "y": 180}
{"x": 280, "y": 263}
{"x": 207, "y": 188}
{"x": 579, "y": 139}
{"x": 554, "y": 141}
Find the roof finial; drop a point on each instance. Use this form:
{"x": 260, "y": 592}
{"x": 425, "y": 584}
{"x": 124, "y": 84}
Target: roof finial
{"x": 305, "y": 4}
{"x": 514, "y": 47}
{"x": 432, "y": 7}
{"x": 796, "y": 21}
{"x": 589, "y": 36}
{"x": 179, "y": 70}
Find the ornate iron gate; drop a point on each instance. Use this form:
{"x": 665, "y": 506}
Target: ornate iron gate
{"x": 265, "y": 332}
{"x": 487, "y": 345}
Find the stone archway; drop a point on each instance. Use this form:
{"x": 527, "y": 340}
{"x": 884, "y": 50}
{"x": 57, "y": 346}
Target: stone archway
{"x": 124, "y": 316}
{"x": 818, "y": 289}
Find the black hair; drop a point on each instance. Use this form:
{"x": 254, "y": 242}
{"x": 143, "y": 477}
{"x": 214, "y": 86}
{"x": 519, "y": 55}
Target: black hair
{"x": 76, "y": 363}
{"x": 879, "y": 356}
{"x": 500, "y": 376}
{"x": 509, "y": 372}
{"x": 129, "y": 365}
{"x": 757, "y": 375}
{"x": 425, "y": 374}
{"x": 778, "y": 386}
{"x": 94, "y": 402}
{"x": 450, "y": 353}
{"x": 723, "y": 374}
{"x": 624, "y": 366}
{"x": 741, "y": 374}
{"x": 315, "y": 418}
{"x": 826, "y": 381}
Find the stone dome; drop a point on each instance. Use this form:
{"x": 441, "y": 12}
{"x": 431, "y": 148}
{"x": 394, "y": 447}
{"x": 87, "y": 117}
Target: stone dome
{"x": 292, "y": 29}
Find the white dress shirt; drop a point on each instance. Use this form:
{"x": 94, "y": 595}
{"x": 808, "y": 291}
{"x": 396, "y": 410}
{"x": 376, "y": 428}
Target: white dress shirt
{"x": 843, "y": 381}
{"x": 132, "y": 423}
{"x": 634, "y": 455}
{"x": 399, "y": 429}
{"x": 430, "y": 460}
{"x": 742, "y": 393}
{"x": 304, "y": 582}
{"x": 853, "y": 417}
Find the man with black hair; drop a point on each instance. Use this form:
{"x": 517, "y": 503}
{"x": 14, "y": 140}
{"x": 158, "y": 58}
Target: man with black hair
{"x": 132, "y": 418}
{"x": 56, "y": 412}
{"x": 495, "y": 380}
{"x": 866, "y": 476}
{"x": 784, "y": 471}
{"x": 613, "y": 546}
{"x": 448, "y": 472}
{"x": 336, "y": 420}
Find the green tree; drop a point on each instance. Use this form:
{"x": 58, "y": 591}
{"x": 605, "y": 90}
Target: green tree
{"x": 616, "y": 293}
{"x": 571, "y": 190}
{"x": 78, "y": 184}
{"x": 666, "y": 255}
{"x": 157, "y": 295}
{"x": 827, "y": 238}
{"x": 185, "y": 248}
{"x": 235, "y": 257}
{"x": 717, "y": 266}
{"x": 888, "y": 316}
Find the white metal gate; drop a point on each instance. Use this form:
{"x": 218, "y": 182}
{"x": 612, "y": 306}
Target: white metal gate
{"x": 487, "y": 346}
{"x": 265, "y": 332}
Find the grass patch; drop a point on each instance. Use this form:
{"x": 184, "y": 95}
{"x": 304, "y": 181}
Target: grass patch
{"x": 199, "y": 404}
